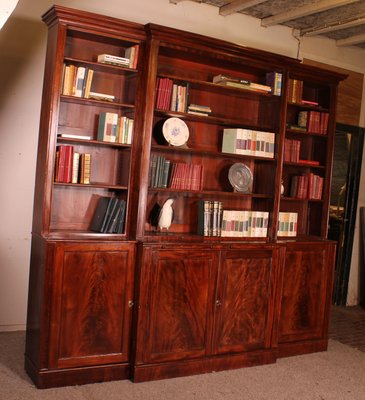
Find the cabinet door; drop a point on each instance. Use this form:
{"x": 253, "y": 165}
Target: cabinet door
{"x": 307, "y": 279}
{"x": 91, "y": 298}
{"x": 180, "y": 297}
{"x": 245, "y": 300}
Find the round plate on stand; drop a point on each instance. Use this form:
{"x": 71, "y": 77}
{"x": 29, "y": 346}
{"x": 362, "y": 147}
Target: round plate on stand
{"x": 240, "y": 177}
{"x": 175, "y": 131}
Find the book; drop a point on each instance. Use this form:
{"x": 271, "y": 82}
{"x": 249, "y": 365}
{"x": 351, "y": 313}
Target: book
{"x": 227, "y": 78}
{"x": 132, "y": 53}
{"x": 98, "y": 220}
{"x": 80, "y": 76}
{"x": 85, "y": 168}
{"x": 101, "y": 96}
{"x": 114, "y": 60}
{"x": 108, "y": 127}
{"x": 89, "y": 78}
{"x": 73, "y": 136}
{"x": 75, "y": 167}
{"x": 109, "y": 215}
{"x": 274, "y": 80}
{"x": 63, "y": 164}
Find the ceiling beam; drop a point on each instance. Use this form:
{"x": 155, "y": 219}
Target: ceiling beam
{"x": 317, "y": 30}
{"x": 303, "y": 11}
{"x": 238, "y": 5}
{"x": 351, "y": 40}
{"x": 179, "y": 1}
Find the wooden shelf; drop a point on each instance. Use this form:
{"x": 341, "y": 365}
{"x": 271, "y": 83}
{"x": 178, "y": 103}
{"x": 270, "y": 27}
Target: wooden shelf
{"x": 215, "y": 154}
{"x": 92, "y": 102}
{"x": 92, "y": 185}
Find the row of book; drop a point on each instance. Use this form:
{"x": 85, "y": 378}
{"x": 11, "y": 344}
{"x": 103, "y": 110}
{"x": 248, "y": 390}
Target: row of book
{"x": 288, "y": 224}
{"x": 109, "y": 215}
{"x": 314, "y": 121}
{"x": 248, "y": 142}
{"x": 171, "y": 96}
{"x": 240, "y": 83}
{"x": 163, "y": 173}
{"x": 292, "y": 153}
{"x": 209, "y": 218}
{"x": 291, "y": 150}
{"x": 306, "y": 186}
{"x": 71, "y": 166}
{"x": 198, "y": 109}
{"x": 295, "y": 90}
{"x": 274, "y": 80}
{"x": 238, "y": 223}
{"x": 115, "y": 129}
{"x": 129, "y": 60}
{"x": 77, "y": 80}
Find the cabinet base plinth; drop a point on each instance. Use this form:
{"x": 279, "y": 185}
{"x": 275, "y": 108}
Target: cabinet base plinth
{"x": 150, "y": 372}
{"x": 303, "y": 347}
{"x": 76, "y": 376}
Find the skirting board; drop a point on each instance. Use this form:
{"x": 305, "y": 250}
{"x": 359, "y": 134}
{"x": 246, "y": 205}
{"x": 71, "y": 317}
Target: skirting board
{"x": 12, "y": 328}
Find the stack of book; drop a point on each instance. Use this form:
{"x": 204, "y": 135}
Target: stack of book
{"x": 291, "y": 150}
{"x": 71, "y": 166}
{"x": 248, "y": 142}
{"x": 295, "y": 91}
{"x": 129, "y": 60}
{"x": 274, "y": 80}
{"x": 109, "y": 215}
{"x": 159, "y": 172}
{"x": 209, "y": 218}
{"x": 186, "y": 176}
{"x": 198, "y": 109}
{"x": 132, "y": 53}
{"x": 77, "y": 80}
{"x": 113, "y": 60}
{"x": 115, "y": 129}
{"x": 171, "y": 96}
{"x": 244, "y": 223}
{"x": 288, "y": 223}
{"x": 314, "y": 121}
{"x": 306, "y": 186}
{"x": 163, "y": 173}
{"x": 240, "y": 83}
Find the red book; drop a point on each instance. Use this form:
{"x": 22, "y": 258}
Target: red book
{"x": 68, "y": 164}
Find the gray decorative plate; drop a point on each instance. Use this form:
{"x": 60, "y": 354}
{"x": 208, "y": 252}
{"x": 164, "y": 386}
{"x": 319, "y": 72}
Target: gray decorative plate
{"x": 240, "y": 177}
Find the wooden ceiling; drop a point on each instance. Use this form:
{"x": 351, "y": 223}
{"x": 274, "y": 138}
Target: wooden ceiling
{"x": 340, "y": 20}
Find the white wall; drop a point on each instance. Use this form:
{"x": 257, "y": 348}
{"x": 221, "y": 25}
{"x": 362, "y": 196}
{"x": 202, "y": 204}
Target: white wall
{"x": 22, "y": 53}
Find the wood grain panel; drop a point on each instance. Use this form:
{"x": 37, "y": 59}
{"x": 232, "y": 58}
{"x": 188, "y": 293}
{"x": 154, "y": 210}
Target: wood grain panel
{"x": 349, "y": 93}
{"x": 90, "y": 306}
{"x": 243, "y": 303}
{"x": 181, "y": 296}
{"x": 304, "y": 293}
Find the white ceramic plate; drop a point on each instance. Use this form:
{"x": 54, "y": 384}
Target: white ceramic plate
{"x": 175, "y": 131}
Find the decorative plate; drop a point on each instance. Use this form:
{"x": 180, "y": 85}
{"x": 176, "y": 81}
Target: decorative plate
{"x": 240, "y": 177}
{"x": 175, "y": 131}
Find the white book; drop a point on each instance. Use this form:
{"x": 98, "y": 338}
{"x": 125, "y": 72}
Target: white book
{"x": 229, "y": 142}
{"x": 249, "y": 144}
{"x": 72, "y": 136}
{"x": 173, "y": 104}
{"x": 110, "y": 59}
{"x": 130, "y": 131}
{"x": 80, "y": 76}
{"x": 75, "y": 167}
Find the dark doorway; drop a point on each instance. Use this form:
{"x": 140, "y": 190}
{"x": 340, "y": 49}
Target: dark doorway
{"x": 347, "y": 158}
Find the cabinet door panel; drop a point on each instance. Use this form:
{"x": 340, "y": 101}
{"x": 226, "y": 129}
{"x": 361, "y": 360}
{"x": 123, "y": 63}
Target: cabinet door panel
{"x": 304, "y": 293}
{"x": 180, "y": 301}
{"x": 244, "y": 305}
{"x": 90, "y": 318}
